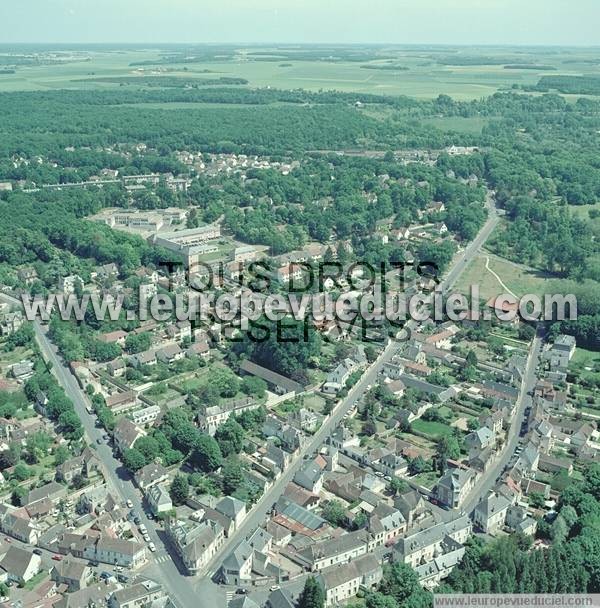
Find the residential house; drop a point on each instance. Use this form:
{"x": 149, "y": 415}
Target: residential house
{"x": 301, "y": 496}
{"x": 22, "y": 371}
{"x": 281, "y": 598}
{"x": 118, "y": 337}
{"x": 170, "y": 353}
{"x": 392, "y": 465}
{"x": 179, "y": 331}
{"x": 146, "y": 416}
{"x": 242, "y": 601}
{"x": 490, "y": 514}
{"x": 480, "y": 439}
{"x": 147, "y": 357}
{"x": 10, "y": 322}
{"x": 209, "y": 418}
{"x": 493, "y": 421}
{"x": 159, "y": 499}
{"x": 413, "y": 507}
{"x": 385, "y": 523}
{"x": 305, "y": 419}
{"x": 275, "y": 458}
{"x": 454, "y": 486}
{"x": 343, "y": 581}
{"x": 139, "y": 595}
{"x": 432, "y": 573}
{"x": 232, "y": 508}
{"x": 310, "y": 477}
{"x": 290, "y": 437}
{"x": 198, "y": 349}
{"x": 18, "y": 527}
{"x": 122, "y": 401}
{"x": 424, "y": 545}
{"x": 566, "y": 344}
{"x": 150, "y": 475}
{"x": 519, "y": 520}
{"x": 116, "y": 551}
{"x": 334, "y": 551}
{"x": 72, "y": 572}
{"x": 86, "y": 465}
{"x": 237, "y": 566}
{"x": 69, "y": 284}
{"x": 196, "y": 543}
{"x": 20, "y": 565}
{"x": 442, "y": 339}
{"x": 336, "y": 379}
{"x": 125, "y": 434}
{"x": 116, "y": 368}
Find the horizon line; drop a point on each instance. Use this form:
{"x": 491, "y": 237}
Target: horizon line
{"x": 320, "y": 43}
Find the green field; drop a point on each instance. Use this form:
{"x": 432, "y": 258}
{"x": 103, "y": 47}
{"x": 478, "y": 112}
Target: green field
{"x": 519, "y": 279}
{"x": 586, "y": 358}
{"x": 461, "y": 73}
{"x": 432, "y": 429}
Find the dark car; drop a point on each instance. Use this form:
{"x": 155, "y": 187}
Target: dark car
{"x": 37, "y": 551}
{"x": 241, "y": 591}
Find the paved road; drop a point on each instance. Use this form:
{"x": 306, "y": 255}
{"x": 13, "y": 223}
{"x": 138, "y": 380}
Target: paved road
{"x": 488, "y": 480}
{"x": 463, "y": 259}
{"x": 163, "y": 568}
{"x": 264, "y": 505}
{"x": 119, "y": 479}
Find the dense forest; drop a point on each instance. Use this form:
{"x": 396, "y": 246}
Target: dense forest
{"x": 540, "y": 155}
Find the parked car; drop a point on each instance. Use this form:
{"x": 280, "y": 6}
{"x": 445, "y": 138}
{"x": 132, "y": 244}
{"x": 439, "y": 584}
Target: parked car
{"x": 37, "y": 551}
{"x": 152, "y": 547}
{"x": 57, "y": 558}
{"x": 129, "y": 504}
{"x": 146, "y": 537}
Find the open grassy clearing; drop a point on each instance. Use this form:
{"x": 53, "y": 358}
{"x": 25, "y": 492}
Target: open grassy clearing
{"x": 586, "y": 358}
{"x": 433, "y": 430}
{"x": 518, "y": 278}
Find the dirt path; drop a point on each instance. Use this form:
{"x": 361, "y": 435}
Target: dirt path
{"x": 487, "y": 267}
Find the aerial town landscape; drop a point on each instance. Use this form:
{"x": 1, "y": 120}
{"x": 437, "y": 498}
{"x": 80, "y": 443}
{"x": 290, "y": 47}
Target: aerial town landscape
{"x": 299, "y": 460}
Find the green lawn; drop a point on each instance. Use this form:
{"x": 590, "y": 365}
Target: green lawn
{"x": 36, "y": 580}
{"x": 428, "y": 480}
{"x": 586, "y": 358}
{"x": 519, "y": 279}
{"x": 432, "y": 429}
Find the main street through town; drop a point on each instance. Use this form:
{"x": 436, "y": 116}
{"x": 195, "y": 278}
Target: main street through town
{"x": 188, "y": 592}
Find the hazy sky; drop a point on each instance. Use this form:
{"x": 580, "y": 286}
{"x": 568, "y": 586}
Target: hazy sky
{"x": 560, "y": 22}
